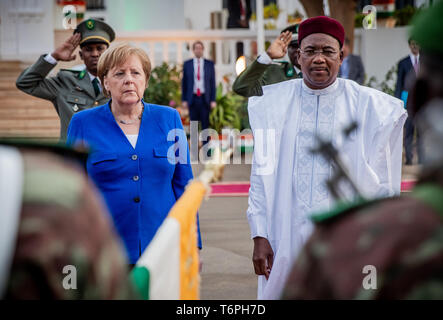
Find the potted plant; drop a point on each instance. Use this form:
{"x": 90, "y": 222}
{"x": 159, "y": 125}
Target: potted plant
{"x": 295, "y": 18}
{"x": 226, "y": 113}
{"x": 164, "y": 89}
{"x": 270, "y": 15}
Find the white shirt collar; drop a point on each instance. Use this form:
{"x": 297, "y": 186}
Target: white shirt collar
{"x": 92, "y": 77}
{"x": 413, "y": 58}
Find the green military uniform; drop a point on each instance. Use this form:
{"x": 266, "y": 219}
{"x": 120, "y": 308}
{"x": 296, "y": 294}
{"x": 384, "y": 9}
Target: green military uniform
{"x": 70, "y": 90}
{"x": 63, "y": 222}
{"x": 249, "y": 83}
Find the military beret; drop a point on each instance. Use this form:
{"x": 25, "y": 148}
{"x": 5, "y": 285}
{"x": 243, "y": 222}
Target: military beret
{"x": 95, "y": 31}
{"x": 427, "y": 29}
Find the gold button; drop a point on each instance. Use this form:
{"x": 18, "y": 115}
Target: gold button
{"x": 76, "y": 99}
{"x": 96, "y": 103}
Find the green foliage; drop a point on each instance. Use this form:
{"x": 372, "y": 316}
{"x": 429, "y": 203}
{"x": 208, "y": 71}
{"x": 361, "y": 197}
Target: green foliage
{"x": 388, "y": 84}
{"x": 358, "y": 20}
{"x": 271, "y": 11}
{"x": 226, "y": 113}
{"x": 404, "y": 15}
{"x": 164, "y": 86}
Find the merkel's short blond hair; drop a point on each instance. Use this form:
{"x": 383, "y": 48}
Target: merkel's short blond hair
{"x": 116, "y": 55}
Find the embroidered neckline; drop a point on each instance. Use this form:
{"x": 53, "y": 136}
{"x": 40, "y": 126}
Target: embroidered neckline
{"x": 319, "y": 92}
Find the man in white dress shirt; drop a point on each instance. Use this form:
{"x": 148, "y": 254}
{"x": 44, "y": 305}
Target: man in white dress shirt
{"x": 288, "y": 181}
{"x": 198, "y": 86}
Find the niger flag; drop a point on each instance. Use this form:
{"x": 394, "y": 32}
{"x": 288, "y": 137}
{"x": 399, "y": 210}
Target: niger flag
{"x": 168, "y": 268}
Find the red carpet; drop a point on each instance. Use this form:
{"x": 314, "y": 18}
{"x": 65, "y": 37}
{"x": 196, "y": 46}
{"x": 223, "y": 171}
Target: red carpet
{"x": 241, "y": 188}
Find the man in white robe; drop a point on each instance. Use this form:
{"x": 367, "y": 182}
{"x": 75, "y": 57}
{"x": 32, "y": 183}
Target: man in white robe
{"x": 287, "y": 180}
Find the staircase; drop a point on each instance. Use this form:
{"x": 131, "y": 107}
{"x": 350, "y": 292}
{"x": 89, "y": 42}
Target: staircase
{"x": 22, "y": 115}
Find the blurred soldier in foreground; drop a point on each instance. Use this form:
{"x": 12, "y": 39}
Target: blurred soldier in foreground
{"x": 388, "y": 249}
{"x": 56, "y": 240}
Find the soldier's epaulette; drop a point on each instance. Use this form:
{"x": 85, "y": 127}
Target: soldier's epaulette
{"x": 341, "y": 209}
{"x": 80, "y": 73}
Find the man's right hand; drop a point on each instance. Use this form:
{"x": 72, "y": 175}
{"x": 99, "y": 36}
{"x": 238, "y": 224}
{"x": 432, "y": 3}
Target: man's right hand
{"x": 184, "y": 104}
{"x": 279, "y": 47}
{"x": 64, "y": 52}
{"x": 263, "y": 257}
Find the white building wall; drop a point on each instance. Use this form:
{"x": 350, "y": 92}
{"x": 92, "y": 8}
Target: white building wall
{"x": 197, "y": 13}
{"x": 381, "y": 49}
{"x": 135, "y": 15}
{"x": 26, "y": 29}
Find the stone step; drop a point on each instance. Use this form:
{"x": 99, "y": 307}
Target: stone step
{"x": 29, "y": 113}
{"x": 26, "y": 101}
{"x": 18, "y": 123}
{"x": 11, "y": 65}
{"x": 8, "y": 85}
{"x": 14, "y": 94}
{"x": 30, "y": 133}
{"x": 22, "y": 115}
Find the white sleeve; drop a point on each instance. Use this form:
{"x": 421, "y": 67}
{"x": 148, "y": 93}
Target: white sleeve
{"x": 264, "y": 58}
{"x": 396, "y": 149}
{"x": 50, "y": 59}
{"x": 256, "y": 212}
{"x": 385, "y": 157}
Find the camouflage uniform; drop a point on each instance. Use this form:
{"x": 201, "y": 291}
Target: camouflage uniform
{"x": 63, "y": 222}
{"x": 401, "y": 237}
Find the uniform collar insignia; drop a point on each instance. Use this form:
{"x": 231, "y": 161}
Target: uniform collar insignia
{"x": 290, "y": 72}
{"x": 82, "y": 74}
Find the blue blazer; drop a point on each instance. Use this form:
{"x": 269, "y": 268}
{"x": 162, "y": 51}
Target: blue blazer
{"x": 139, "y": 185}
{"x": 188, "y": 81}
{"x": 405, "y": 75}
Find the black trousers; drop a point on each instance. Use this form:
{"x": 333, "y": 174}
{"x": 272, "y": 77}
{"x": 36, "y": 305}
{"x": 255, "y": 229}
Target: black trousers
{"x": 199, "y": 111}
{"x": 409, "y": 129}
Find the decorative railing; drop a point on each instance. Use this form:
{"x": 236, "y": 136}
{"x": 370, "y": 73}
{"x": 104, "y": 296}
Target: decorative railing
{"x": 176, "y": 46}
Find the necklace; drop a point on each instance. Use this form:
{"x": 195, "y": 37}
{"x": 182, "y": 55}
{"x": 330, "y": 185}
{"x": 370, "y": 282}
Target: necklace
{"x": 133, "y": 121}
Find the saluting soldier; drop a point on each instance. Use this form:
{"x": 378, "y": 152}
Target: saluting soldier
{"x": 265, "y": 70}
{"x": 71, "y": 90}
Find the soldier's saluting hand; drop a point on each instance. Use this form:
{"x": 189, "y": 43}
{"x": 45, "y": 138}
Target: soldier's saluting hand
{"x": 66, "y": 50}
